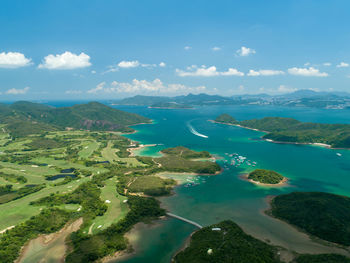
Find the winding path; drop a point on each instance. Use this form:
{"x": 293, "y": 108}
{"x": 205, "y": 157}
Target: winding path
{"x": 185, "y": 220}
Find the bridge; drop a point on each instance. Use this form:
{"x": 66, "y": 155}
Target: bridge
{"x": 185, "y": 220}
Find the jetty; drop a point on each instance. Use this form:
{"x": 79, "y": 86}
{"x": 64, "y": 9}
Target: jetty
{"x": 185, "y": 220}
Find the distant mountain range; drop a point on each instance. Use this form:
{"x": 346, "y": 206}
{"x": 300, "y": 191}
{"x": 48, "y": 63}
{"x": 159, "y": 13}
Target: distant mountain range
{"x": 300, "y": 98}
{"x": 22, "y": 118}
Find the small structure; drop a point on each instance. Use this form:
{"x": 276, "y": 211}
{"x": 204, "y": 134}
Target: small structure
{"x": 210, "y": 251}
{"x": 107, "y": 201}
{"x": 216, "y": 229}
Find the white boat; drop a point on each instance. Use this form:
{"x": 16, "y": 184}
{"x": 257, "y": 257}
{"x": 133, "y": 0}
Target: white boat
{"x": 339, "y": 154}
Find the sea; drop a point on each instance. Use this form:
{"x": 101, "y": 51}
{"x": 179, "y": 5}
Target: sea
{"x": 211, "y": 199}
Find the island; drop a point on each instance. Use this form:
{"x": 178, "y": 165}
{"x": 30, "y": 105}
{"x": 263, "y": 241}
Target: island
{"x": 266, "y": 177}
{"x": 67, "y": 176}
{"x": 226, "y": 242}
{"x": 170, "y": 105}
{"x": 303, "y": 210}
{"x": 288, "y": 130}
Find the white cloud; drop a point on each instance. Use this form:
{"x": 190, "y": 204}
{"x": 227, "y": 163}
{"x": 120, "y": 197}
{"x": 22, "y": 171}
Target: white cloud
{"x": 128, "y": 64}
{"x": 187, "y": 48}
{"x": 66, "y": 60}
{"x": 143, "y": 86}
{"x": 203, "y": 71}
{"x": 98, "y": 88}
{"x": 17, "y": 91}
{"x": 327, "y": 64}
{"x": 93, "y": 71}
{"x": 342, "y": 65}
{"x": 285, "y": 89}
{"x": 264, "y": 72}
{"x": 307, "y": 72}
{"x": 216, "y": 48}
{"x": 13, "y": 60}
{"x": 245, "y": 51}
{"x": 162, "y": 64}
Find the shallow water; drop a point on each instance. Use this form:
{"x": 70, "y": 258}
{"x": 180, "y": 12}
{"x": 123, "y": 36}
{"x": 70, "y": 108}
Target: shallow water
{"x": 226, "y": 196}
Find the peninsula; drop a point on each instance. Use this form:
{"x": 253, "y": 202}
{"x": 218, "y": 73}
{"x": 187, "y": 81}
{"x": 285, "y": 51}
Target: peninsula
{"x": 289, "y": 130}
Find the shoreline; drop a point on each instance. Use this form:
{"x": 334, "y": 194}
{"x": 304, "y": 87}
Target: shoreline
{"x": 339, "y": 249}
{"x": 323, "y": 145}
{"x": 139, "y": 147}
{"x": 282, "y": 183}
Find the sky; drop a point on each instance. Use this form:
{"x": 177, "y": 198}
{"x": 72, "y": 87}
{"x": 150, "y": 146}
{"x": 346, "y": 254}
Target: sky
{"x": 111, "y": 49}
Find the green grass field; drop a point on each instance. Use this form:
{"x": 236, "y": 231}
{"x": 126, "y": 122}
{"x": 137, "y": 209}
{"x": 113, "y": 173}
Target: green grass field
{"x": 109, "y": 154}
{"x": 116, "y": 208}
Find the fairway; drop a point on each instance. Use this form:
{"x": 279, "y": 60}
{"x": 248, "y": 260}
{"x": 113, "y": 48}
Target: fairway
{"x": 117, "y": 209}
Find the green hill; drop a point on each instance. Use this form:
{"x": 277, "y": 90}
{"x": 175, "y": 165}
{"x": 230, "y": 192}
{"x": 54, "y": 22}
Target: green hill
{"x": 323, "y": 215}
{"x": 229, "y": 244}
{"x": 293, "y": 131}
{"x": 23, "y": 118}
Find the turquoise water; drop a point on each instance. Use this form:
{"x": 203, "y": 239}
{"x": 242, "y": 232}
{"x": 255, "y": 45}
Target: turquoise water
{"x": 226, "y": 196}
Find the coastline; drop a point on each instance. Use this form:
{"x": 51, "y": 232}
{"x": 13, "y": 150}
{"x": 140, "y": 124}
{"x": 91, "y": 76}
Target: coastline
{"x": 324, "y": 145}
{"x": 141, "y": 146}
{"x": 283, "y": 183}
{"x": 337, "y": 248}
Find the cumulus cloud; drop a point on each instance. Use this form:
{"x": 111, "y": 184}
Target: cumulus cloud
{"x": 264, "y": 72}
{"x": 307, "y": 72}
{"x": 162, "y": 64}
{"x": 204, "y": 71}
{"x": 17, "y": 91}
{"x": 13, "y": 60}
{"x": 129, "y": 64}
{"x": 245, "y": 51}
{"x": 342, "y": 65}
{"x": 285, "y": 89}
{"x": 216, "y": 48}
{"x": 66, "y": 60}
{"x": 187, "y": 48}
{"x": 327, "y": 64}
{"x": 143, "y": 86}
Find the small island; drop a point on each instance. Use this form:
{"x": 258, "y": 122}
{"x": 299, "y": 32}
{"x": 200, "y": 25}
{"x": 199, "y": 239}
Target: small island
{"x": 303, "y": 210}
{"x": 170, "y": 105}
{"x": 266, "y": 177}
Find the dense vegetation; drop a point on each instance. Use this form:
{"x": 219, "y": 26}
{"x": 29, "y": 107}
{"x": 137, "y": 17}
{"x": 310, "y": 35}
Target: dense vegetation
{"x": 322, "y": 258}
{"x": 151, "y": 185}
{"x": 23, "y": 118}
{"x": 7, "y": 194}
{"x": 186, "y": 153}
{"x": 230, "y": 244}
{"x": 226, "y": 118}
{"x": 323, "y": 215}
{"x": 48, "y": 221}
{"x": 179, "y": 164}
{"x": 293, "y": 131}
{"x": 265, "y": 176}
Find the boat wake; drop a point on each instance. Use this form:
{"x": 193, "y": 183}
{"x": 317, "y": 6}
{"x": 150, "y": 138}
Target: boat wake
{"x": 193, "y": 131}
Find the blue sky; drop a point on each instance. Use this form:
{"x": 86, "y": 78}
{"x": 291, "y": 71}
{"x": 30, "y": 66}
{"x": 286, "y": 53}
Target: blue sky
{"x": 106, "y": 49}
